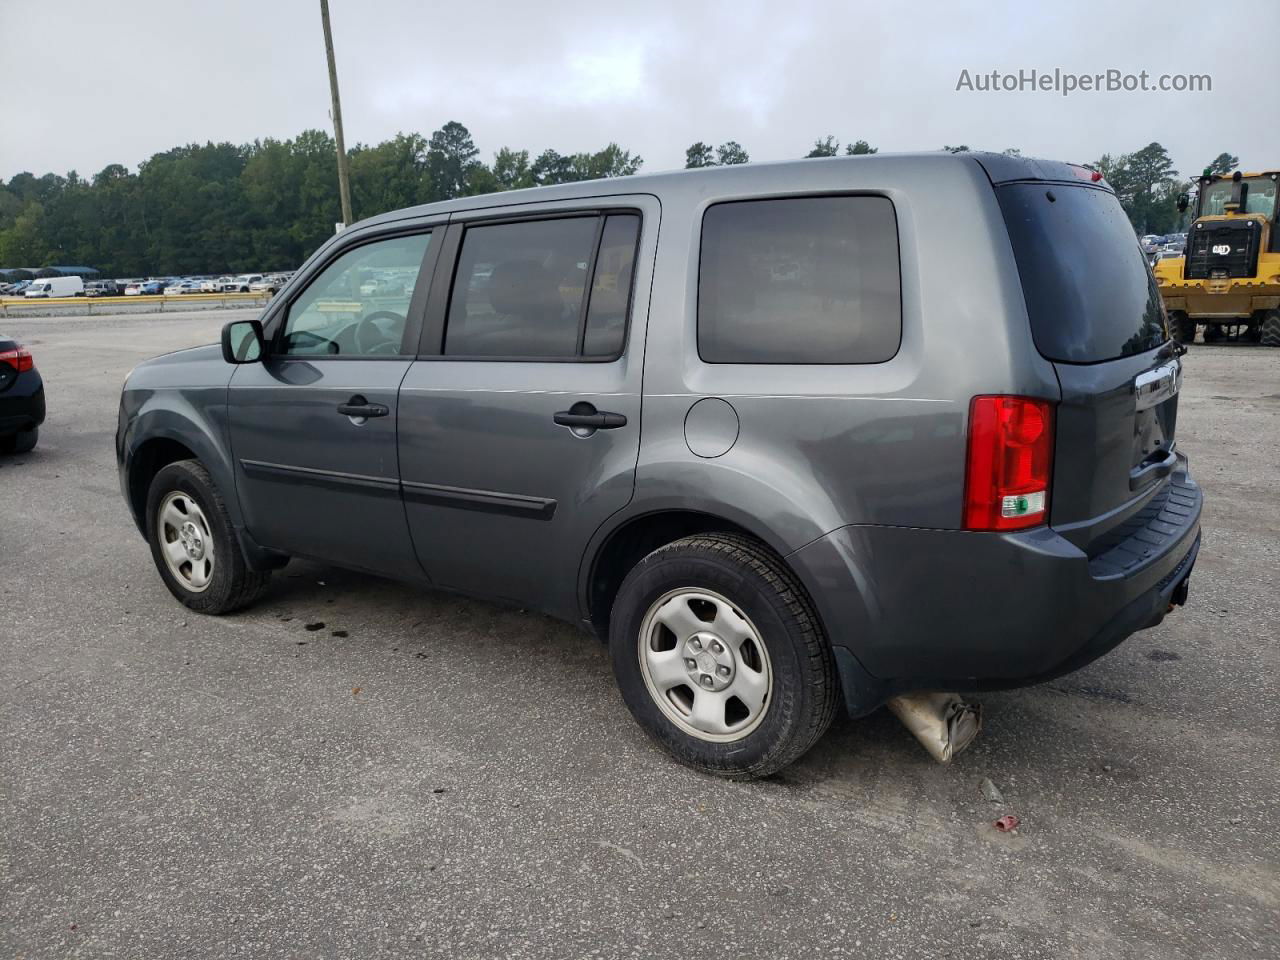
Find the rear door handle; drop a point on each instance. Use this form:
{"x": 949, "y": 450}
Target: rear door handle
{"x": 585, "y": 416}
{"x": 358, "y": 406}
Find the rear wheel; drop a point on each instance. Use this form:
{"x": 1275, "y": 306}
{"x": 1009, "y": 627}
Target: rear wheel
{"x": 193, "y": 543}
{"x": 1182, "y": 327}
{"x": 24, "y": 441}
{"x": 1271, "y": 329}
{"x": 720, "y": 657}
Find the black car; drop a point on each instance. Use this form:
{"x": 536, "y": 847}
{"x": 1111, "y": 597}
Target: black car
{"x": 21, "y": 398}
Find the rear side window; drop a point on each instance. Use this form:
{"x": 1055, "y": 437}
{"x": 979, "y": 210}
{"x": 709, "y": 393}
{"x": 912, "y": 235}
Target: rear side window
{"x": 544, "y": 289}
{"x": 805, "y": 280}
{"x": 1089, "y": 291}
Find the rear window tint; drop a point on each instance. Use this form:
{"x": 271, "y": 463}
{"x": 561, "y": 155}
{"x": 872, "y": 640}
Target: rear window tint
{"x": 1089, "y": 291}
{"x": 806, "y": 280}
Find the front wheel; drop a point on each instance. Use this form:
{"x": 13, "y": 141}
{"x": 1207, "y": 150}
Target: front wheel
{"x": 193, "y": 543}
{"x": 1182, "y": 327}
{"x": 1271, "y": 329}
{"x": 720, "y": 657}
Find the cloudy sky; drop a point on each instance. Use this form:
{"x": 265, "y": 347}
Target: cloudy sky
{"x": 90, "y": 83}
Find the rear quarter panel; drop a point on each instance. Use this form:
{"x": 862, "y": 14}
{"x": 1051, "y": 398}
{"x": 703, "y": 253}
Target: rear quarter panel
{"x": 825, "y": 446}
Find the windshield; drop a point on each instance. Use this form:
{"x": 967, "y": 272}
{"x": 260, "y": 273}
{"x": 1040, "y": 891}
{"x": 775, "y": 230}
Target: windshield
{"x": 1260, "y": 199}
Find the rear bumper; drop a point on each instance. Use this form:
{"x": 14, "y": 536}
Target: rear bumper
{"x": 912, "y": 609}
{"x": 22, "y": 405}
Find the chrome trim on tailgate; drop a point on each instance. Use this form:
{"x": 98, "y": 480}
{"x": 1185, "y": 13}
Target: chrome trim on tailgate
{"x": 1156, "y": 386}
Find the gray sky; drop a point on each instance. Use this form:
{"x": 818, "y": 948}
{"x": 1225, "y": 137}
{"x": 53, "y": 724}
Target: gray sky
{"x": 95, "y": 83}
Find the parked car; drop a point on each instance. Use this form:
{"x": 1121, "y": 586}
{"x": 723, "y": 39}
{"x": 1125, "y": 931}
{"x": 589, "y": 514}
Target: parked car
{"x": 240, "y": 284}
{"x": 269, "y": 285}
{"x": 212, "y": 285}
{"x": 382, "y": 287}
{"x": 19, "y": 288}
{"x": 100, "y": 288}
{"x": 152, "y": 288}
{"x": 182, "y": 287}
{"x": 828, "y": 502}
{"x": 55, "y": 287}
{"x": 21, "y": 398}
{"x": 134, "y": 289}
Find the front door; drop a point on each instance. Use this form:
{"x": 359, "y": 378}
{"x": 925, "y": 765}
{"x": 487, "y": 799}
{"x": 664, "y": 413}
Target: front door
{"x": 520, "y": 424}
{"x": 313, "y": 426}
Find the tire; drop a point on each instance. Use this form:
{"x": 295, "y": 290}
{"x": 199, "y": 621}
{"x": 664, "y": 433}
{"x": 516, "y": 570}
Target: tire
{"x": 228, "y": 583}
{"x": 748, "y": 593}
{"x": 1271, "y": 329}
{"x": 24, "y": 441}
{"x": 1182, "y": 327}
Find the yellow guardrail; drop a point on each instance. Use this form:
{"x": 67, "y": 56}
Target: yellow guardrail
{"x": 18, "y": 303}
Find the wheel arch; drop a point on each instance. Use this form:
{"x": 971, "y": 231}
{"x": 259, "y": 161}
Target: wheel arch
{"x": 159, "y": 436}
{"x": 619, "y": 545}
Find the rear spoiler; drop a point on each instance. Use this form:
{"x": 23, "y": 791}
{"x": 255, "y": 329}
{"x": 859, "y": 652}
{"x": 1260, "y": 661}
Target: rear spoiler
{"x": 1001, "y": 168}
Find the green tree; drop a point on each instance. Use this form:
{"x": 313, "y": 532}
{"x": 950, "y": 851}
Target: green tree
{"x": 552, "y": 167}
{"x": 389, "y": 176}
{"x": 450, "y": 156}
{"x": 511, "y": 169}
{"x": 730, "y": 153}
{"x": 699, "y": 155}
{"x": 1223, "y": 163}
{"x": 859, "y": 148}
{"x": 612, "y": 161}
{"x": 222, "y": 207}
{"x": 963, "y": 148}
{"x": 24, "y": 244}
{"x": 827, "y": 147}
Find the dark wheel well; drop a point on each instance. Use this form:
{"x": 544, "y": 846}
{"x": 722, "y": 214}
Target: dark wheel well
{"x": 635, "y": 540}
{"x": 152, "y": 457}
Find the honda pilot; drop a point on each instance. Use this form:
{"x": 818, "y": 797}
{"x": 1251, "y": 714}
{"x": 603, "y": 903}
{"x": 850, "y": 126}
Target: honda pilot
{"x": 766, "y": 429}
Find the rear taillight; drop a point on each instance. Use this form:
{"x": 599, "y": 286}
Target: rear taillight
{"x": 20, "y": 359}
{"x": 1010, "y": 457}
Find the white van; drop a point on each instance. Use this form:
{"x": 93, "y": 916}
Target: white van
{"x": 56, "y": 287}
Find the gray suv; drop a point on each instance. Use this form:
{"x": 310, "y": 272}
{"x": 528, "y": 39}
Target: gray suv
{"x": 767, "y": 429}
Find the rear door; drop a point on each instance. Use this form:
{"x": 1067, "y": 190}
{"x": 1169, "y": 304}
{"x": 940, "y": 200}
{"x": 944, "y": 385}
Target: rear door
{"x": 1096, "y": 313}
{"x": 520, "y": 422}
{"x": 313, "y": 426}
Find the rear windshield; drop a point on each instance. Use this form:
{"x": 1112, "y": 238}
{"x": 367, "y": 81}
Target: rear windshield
{"x": 1089, "y": 291}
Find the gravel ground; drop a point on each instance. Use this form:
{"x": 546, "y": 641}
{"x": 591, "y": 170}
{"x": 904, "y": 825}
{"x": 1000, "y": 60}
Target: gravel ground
{"x": 356, "y": 767}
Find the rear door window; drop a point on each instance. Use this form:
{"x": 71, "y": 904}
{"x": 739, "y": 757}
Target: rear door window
{"x": 806, "y": 280}
{"x": 1089, "y": 292}
{"x": 553, "y": 289}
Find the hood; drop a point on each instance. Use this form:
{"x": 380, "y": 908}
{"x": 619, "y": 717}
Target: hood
{"x": 209, "y": 351}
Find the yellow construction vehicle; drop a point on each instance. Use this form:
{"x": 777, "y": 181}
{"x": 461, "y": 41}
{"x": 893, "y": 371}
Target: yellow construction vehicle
{"x": 1228, "y": 278}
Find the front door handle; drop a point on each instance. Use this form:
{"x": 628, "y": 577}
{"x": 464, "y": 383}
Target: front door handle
{"x": 584, "y": 416}
{"x": 358, "y": 406}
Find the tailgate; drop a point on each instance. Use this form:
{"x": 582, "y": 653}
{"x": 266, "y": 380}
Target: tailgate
{"x": 1095, "y": 313}
{"x": 1115, "y": 441}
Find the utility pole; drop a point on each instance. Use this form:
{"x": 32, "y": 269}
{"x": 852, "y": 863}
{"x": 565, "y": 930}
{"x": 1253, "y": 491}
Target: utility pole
{"x": 344, "y": 183}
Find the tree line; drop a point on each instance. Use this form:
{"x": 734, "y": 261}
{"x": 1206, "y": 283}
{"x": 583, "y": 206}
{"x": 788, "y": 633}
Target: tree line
{"x": 223, "y": 207}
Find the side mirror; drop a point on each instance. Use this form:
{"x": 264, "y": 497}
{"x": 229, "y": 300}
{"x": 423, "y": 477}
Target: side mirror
{"x": 242, "y": 341}
{"x": 1183, "y": 202}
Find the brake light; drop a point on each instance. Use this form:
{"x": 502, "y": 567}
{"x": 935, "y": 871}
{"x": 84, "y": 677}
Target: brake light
{"x": 1010, "y": 456}
{"x": 20, "y": 359}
